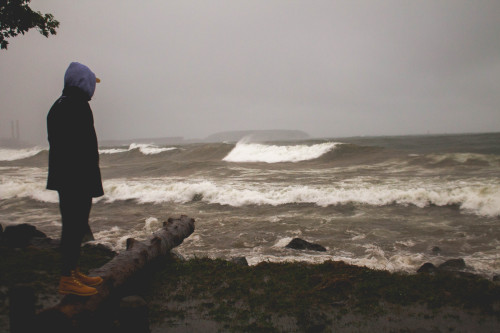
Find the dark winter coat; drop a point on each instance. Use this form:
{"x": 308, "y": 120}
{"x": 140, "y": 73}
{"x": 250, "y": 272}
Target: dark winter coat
{"x": 73, "y": 153}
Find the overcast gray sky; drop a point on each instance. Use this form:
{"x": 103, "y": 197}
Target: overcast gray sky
{"x": 330, "y": 68}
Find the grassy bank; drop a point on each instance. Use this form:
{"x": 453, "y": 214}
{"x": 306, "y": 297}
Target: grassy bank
{"x": 205, "y": 295}
{"x": 333, "y": 296}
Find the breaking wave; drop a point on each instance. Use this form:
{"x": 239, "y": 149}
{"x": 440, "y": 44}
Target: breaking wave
{"x": 479, "y": 197}
{"x": 18, "y": 154}
{"x": 451, "y": 159}
{"x": 33, "y": 187}
{"x": 254, "y": 152}
{"x": 144, "y": 148}
{"x": 7, "y": 154}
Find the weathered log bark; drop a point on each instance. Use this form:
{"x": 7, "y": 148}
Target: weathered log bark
{"x": 80, "y": 312}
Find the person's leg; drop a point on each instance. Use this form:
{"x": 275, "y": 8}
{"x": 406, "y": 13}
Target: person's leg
{"x": 75, "y": 210}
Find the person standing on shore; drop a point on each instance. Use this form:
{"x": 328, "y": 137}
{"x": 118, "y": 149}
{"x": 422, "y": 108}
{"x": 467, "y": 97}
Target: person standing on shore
{"x": 74, "y": 172}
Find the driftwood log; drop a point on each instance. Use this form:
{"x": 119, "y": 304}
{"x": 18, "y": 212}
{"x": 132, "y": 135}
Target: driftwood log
{"x": 75, "y": 313}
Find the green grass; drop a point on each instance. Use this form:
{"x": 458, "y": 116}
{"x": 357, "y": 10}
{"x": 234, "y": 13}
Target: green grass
{"x": 249, "y": 297}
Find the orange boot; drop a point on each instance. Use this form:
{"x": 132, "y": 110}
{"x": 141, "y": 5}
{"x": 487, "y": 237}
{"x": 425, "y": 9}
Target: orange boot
{"x": 70, "y": 285}
{"x": 91, "y": 281}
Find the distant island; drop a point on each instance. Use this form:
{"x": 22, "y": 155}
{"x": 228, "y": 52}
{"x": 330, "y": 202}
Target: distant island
{"x": 258, "y": 136}
{"x": 229, "y": 136}
{"x": 172, "y": 140}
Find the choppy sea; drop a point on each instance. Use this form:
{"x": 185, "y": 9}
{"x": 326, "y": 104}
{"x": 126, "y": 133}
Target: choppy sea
{"x": 389, "y": 203}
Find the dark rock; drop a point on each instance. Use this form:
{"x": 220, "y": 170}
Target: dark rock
{"x": 99, "y": 248}
{"x": 496, "y": 278}
{"x": 436, "y": 250}
{"x": 300, "y": 244}
{"x": 197, "y": 197}
{"x": 21, "y": 235}
{"x": 240, "y": 261}
{"x": 133, "y": 315}
{"x": 453, "y": 265}
{"x": 427, "y": 268}
{"x": 130, "y": 242}
{"x": 45, "y": 243}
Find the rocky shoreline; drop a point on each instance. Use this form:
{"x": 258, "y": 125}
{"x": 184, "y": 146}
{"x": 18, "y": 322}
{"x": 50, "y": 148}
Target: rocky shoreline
{"x": 213, "y": 295}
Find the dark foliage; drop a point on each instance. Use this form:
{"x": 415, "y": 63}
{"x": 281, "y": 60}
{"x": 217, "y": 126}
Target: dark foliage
{"x": 16, "y": 17}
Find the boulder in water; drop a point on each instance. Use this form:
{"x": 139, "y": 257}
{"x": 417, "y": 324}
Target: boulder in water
{"x": 453, "y": 265}
{"x": 300, "y": 244}
{"x": 436, "y": 250}
{"x": 427, "y": 268}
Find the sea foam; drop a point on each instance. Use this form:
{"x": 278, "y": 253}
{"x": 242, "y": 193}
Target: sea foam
{"x": 144, "y": 148}
{"x": 17, "y": 188}
{"x": 255, "y": 152}
{"x": 18, "y": 154}
{"x": 473, "y": 196}
{"x": 479, "y": 199}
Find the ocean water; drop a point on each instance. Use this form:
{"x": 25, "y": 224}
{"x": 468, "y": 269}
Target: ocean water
{"x": 381, "y": 202}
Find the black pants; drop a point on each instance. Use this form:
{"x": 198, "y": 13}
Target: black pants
{"x": 75, "y": 210}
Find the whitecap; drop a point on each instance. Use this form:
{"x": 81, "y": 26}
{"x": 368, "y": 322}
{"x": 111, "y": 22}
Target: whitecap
{"x": 112, "y": 151}
{"x": 7, "y": 154}
{"x": 282, "y": 242}
{"x": 477, "y": 198}
{"x": 149, "y": 149}
{"x": 152, "y": 224}
{"x": 144, "y": 148}
{"x": 255, "y": 152}
{"x": 406, "y": 243}
{"x": 26, "y": 187}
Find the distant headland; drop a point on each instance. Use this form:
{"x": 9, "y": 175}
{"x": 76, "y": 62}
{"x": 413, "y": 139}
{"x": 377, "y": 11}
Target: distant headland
{"x": 228, "y": 136}
{"x": 258, "y": 136}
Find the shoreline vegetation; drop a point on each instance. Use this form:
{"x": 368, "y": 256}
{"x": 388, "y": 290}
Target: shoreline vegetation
{"x": 215, "y": 295}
